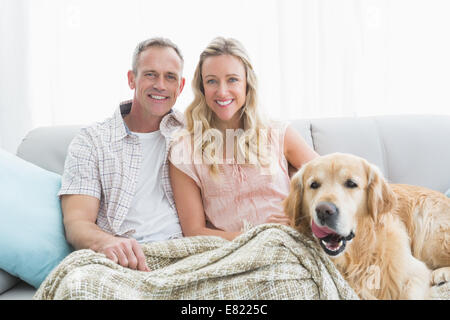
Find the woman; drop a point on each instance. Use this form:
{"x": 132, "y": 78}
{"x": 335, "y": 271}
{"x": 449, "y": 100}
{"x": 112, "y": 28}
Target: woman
{"x": 234, "y": 171}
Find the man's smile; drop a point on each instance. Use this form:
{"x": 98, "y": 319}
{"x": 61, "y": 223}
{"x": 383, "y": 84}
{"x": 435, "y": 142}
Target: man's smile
{"x": 158, "y": 97}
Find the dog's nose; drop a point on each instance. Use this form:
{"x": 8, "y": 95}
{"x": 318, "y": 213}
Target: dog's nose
{"x": 327, "y": 213}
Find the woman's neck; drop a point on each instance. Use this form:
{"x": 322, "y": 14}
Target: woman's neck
{"x": 233, "y": 124}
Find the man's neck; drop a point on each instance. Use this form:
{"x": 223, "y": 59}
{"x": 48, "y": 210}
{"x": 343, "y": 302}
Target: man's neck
{"x": 138, "y": 121}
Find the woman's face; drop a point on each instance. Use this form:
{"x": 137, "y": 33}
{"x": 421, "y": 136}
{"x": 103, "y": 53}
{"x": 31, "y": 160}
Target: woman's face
{"x": 225, "y": 84}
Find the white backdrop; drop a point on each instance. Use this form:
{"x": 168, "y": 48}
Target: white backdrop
{"x": 65, "y": 61}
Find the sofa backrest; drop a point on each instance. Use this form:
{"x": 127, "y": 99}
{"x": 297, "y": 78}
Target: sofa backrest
{"x": 47, "y": 146}
{"x": 411, "y": 149}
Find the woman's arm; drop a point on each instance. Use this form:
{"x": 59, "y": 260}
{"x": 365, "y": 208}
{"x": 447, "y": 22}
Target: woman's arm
{"x": 296, "y": 150}
{"x": 188, "y": 200}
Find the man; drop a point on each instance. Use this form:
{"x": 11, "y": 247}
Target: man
{"x": 115, "y": 192}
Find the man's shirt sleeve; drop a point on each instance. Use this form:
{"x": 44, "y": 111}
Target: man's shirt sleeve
{"x": 81, "y": 168}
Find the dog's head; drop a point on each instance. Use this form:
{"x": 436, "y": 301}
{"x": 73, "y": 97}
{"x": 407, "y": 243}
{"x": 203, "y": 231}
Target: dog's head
{"x": 330, "y": 194}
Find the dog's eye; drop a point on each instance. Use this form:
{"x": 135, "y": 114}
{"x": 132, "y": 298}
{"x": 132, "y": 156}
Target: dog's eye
{"x": 315, "y": 185}
{"x": 350, "y": 184}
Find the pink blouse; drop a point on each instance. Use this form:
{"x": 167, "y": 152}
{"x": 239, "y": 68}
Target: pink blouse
{"x": 243, "y": 196}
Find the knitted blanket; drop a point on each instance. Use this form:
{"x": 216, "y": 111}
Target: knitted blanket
{"x": 267, "y": 262}
{"x": 270, "y": 261}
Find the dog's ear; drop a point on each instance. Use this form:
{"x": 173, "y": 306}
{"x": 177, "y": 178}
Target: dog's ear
{"x": 380, "y": 197}
{"x": 292, "y": 204}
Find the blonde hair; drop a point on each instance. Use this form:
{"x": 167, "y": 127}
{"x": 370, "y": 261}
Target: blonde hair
{"x": 255, "y": 127}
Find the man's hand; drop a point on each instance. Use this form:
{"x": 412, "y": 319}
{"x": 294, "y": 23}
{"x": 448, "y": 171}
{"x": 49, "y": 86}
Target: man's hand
{"x": 126, "y": 252}
{"x": 80, "y": 214}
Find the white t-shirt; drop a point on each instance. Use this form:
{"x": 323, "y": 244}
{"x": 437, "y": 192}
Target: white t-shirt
{"x": 150, "y": 214}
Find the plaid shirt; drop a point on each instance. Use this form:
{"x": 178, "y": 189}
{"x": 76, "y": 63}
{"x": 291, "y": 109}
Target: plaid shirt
{"x": 104, "y": 160}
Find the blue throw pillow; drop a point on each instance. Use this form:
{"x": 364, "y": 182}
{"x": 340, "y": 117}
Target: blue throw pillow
{"x": 32, "y": 239}
{"x": 448, "y": 193}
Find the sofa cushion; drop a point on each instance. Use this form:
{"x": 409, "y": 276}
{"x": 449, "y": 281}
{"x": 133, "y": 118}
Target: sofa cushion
{"x": 7, "y": 281}
{"x": 32, "y": 240}
{"x": 358, "y": 136}
{"x": 416, "y": 149}
{"x": 47, "y": 146}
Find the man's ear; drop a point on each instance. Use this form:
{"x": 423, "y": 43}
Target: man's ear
{"x": 131, "y": 79}
{"x": 180, "y": 89}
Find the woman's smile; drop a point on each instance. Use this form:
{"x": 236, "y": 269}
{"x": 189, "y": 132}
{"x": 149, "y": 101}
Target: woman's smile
{"x": 224, "y": 103}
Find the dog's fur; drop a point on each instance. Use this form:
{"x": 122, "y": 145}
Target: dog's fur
{"x": 402, "y": 233}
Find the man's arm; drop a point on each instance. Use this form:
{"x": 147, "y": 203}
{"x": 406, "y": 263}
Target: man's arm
{"x": 80, "y": 215}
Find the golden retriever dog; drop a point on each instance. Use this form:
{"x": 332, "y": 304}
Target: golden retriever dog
{"x": 389, "y": 241}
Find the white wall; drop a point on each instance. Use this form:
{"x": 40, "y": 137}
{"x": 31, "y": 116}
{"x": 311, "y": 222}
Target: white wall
{"x": 65, "y": 61}
{"x": 15, "y": 118}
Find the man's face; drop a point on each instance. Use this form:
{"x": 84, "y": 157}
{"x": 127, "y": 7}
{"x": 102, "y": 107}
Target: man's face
{"x": 158, "y": 81}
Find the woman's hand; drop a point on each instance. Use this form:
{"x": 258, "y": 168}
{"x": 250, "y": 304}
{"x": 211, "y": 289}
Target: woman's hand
{"x": 280, "y": 218}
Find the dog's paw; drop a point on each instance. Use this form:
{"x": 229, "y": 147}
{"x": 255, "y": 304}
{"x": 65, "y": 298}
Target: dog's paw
{"x": 440, "y": 276}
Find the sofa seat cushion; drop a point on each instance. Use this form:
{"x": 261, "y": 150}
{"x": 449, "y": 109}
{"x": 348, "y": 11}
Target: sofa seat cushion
{"x": 7, "y": 281}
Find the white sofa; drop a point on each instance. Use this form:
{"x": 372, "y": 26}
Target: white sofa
{"x": 412, "y": 149}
